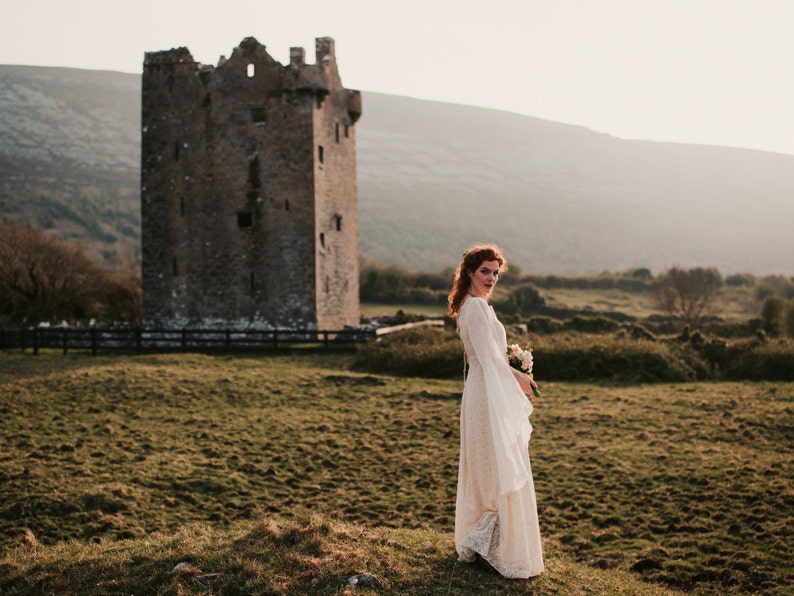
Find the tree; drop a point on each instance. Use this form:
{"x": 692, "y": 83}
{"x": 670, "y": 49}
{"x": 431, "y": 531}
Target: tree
{"x": 42, "y": 278}
{"x": 788, "y": 319}
{"x": 525, "y": 296}
{"x": 687, "y": 293}
{"x": 773, "y": 315}
{"x": 122, "y": 296}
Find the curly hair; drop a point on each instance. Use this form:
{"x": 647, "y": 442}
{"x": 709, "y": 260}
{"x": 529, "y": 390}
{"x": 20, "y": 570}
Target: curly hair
{"x": 472, "y": 259}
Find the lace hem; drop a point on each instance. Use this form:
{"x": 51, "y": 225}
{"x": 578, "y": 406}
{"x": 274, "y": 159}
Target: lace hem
{"x": 484, "y": 540}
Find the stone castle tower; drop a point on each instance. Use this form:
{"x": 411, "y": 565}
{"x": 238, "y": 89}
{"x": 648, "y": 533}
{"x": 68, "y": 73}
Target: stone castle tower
{"x": 249, "y": 201}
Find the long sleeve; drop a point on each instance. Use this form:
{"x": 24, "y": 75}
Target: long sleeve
{"x": 508, "y": 407}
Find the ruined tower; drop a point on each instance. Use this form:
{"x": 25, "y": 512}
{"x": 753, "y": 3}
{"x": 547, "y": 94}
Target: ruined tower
{"x": 248, "y": 191}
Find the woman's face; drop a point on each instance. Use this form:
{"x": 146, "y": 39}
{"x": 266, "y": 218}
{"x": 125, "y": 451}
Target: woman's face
{"x": 484, "y": 278}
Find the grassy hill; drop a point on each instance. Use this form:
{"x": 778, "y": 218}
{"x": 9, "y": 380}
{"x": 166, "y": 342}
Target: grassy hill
{"x": 290, "y": 473}
{"x": 433, "y": 177}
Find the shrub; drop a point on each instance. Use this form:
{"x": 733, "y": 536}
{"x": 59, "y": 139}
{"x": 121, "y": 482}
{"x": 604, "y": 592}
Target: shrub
{"x": 544, "y": 324}
{"x": 436, "y": 353}
{"x": 763, "y": 291}
{"x": 418, "y": 352}
{"x": 740, "y": 279}
{"x": 771, "y": 360}
{"x": 640, "y": 332}
{"x": 735, "y": 329}
{"x": 525, "y": 296}
{"x": 779, "y": 284}
{"x": 585, "y": 324}
{"x": 772, "y": 314}
{"x": 597, "y": 357}
{"x": 788, "y": 319}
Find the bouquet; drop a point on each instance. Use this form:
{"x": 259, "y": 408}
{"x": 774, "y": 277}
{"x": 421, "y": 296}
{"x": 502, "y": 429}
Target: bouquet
{"x": 521, "y": 359}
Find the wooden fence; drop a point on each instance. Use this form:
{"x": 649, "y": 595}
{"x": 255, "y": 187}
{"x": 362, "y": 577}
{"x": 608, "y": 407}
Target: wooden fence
{"x": 139, "y": 340}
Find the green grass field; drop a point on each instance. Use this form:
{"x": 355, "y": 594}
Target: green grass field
{"x": 288, "y": 473}
{"x": 730, "y": 303}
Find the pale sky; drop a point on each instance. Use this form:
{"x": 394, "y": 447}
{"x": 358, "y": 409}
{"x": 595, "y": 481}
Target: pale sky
{"x": 715, "y": 72}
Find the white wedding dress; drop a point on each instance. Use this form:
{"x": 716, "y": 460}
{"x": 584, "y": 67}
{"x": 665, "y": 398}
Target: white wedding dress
{"x": 496, "y": 512}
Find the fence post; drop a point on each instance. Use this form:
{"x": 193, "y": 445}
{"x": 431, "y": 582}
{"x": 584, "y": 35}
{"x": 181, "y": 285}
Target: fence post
{"x": 35, "y": 341}
{"x": 184, "y": 339}
{"x": 65, "y": 341}
{"x": 228, "y": 340}
{"x": 325, "y": 339}
{"x": 93, "y": 341}
{"x": 275, "y": 339}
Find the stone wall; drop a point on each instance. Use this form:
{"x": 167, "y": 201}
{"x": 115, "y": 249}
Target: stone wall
{"x": 249, "y": 197}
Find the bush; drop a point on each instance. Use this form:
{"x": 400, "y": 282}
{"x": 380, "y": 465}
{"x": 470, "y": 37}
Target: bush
{"x": 430, "y": 352}
{"x": 544, "y": 325}
{"x": 584, "y": 324}
{"x": 788, "y": 319}
{"x": 772, "y": 315}
{"x": 419, "y": 352}
{"x": 525, "y": 297}
{"x": 779, "y": 285}
{"x": 597, "y": 357}
{"x": 740, "y": 279}
{"x": 640, "y": 332}
{"x": 436, "y": 353}
{"x": 771, "y": 360}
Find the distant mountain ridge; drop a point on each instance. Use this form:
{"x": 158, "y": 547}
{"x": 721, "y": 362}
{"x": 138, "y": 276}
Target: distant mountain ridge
{"x": 433, "y": 177}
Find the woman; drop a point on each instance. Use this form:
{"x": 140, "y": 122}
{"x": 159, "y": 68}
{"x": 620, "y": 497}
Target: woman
{"x": 496, "y": 517}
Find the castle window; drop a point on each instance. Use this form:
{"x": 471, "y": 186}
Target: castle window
{"x": 251, "y": 71}
{"x": 176, "y": 151}
{"x": 322, "y": 239}
{"x": 258, "y": 114}
{"x": 338, "y": 219}
{"x": 253, "y": 172}
{"x": 347, "y": 130}
{"x": 337, "y": 132}
{"x": 286, "y": 205}
{"x": 320, "y": 153}
{"x": 327, "y": 284}
{"x": 245, "y": 219}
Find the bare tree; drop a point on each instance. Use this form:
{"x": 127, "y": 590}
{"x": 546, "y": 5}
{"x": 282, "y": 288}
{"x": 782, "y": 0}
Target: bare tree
{"x": 42, "y": 278}
{"x": 122, "y": 297}
{"x": 687, "y": 293}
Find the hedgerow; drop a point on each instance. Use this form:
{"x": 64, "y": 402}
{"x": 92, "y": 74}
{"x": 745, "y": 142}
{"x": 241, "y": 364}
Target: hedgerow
{"x": 616, "y": 357}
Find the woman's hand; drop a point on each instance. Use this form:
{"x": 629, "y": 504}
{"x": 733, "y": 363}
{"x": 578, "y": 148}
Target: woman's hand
{"x": 526, "y": 383}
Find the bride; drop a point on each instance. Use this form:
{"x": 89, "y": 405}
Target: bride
{"x": 496, "y": 517}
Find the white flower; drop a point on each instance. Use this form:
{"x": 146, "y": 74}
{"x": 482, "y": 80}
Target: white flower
{"x": 522, "y": 360}
{"x": 519, "y": 358}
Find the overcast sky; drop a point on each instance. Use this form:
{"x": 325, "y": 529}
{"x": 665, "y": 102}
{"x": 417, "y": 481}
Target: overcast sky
{"x": 715, "y": 72}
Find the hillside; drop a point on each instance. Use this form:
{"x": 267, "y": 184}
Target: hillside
{"x": 433, "y": 177}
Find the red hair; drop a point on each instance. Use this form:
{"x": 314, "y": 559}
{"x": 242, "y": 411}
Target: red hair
{"x": 472, "y": 259}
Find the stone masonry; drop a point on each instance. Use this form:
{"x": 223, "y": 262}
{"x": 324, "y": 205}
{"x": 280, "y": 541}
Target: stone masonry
{"x": 249, "y": 201}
